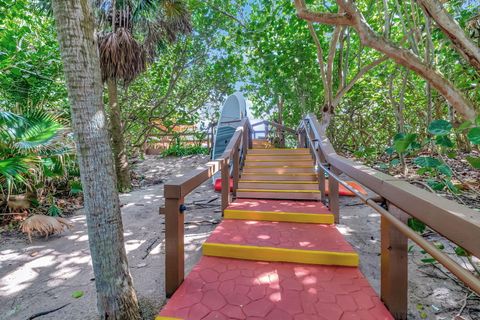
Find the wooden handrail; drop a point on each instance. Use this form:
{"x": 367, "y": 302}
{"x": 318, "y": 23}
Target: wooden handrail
{"x": 176, "y": 189}
{"x": 455, "y": 222}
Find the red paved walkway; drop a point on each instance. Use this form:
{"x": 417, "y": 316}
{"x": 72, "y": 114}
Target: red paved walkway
{"x": 219, "y": 288}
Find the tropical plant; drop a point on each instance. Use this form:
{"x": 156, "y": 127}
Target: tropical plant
{"x": 33, "y": 146}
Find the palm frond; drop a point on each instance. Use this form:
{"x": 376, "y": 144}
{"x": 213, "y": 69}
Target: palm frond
{"x": 121, "y": 56}
{"x": 38, "y": 131}
{"x": 173, "y": 19}
{"x": 14, "y": 168}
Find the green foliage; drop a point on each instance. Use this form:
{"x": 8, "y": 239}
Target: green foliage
{"x": 32, "y": 148}
{"x": 54, "y": 211}
{"x": 427, "y": 162}
{"x": 77, "y": 294}
{"x": 416, "y": 225}
{"x": 440, "y": 127}
{"x": 404, "y": 142}
{"x": 474, "y": 162}
{"x": 474, "y": 135}
{"x": 181, "y": 151}
{"x": 459, "y": 251}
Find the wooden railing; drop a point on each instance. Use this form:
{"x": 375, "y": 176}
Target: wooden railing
{"x": 401, "y": 200}
{"x": 176, "y": 190}
{"x": 279, "y": 129}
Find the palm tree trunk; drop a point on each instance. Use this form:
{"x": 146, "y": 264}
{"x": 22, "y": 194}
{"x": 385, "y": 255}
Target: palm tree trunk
{"x": 124, "y": 182}
{"x": 116, "y": 298}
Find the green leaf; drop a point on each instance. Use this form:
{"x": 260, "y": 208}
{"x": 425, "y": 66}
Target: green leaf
{"x": 77, "y": 294}
{"x": 54, "y": 211}
{"x": 75, "y": 187}
{"x": 389, "y": 151}
{"x": 427, "y": 162}
{"x": 477, "y": 120}
{"x": 474, "y": 135}
{"x": 423, "y": 170}
{"x": 410, "y": 248}
{"x": 428, "y": 260}
{"x": 459, "y": 251}
{"x": 416, "y": 225}
{"x": 395, "y": 162}
{"x": 444, "y": 169}
{"x": 464, "y": 125}
{"x": 436, "y": 185}
{"x": 451, "y": 187}
{"x": 439, "y": 245}
{"x": 451, "y": 154}
{"x": 403, "y": 143}
{"x": 440, "y": 127}
{"x": 474, "y": 161}
{"x": 444, "y": 141}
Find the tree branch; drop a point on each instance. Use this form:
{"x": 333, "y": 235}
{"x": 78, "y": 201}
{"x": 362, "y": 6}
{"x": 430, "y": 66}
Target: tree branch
{"x": 462, "y": 43}
{"x": 325, "y": 18}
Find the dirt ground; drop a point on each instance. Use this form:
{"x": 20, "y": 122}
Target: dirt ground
{"x": 43, "y": 275}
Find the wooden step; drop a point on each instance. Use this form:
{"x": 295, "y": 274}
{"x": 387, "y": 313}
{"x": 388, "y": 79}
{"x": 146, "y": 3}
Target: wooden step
{"x": 290, "y": 157}
{"x": 285, "y": 242}
{"x": 279, "y": 210}
{"x": 279, "y": 194}
{"x": 279, "y": 176}
{"x": 279, "y": 151}
{"x": 275, "y": 162}
{"x": 278, "y": 185}
{"x": 278, "y": 169}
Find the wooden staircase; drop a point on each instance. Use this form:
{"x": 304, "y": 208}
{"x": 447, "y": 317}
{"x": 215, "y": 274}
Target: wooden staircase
{"x": 271, "y": 173}
{"x": 275, "y": 256}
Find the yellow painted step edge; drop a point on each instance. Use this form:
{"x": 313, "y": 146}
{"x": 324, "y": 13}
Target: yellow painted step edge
{"x": 277, "y": 166}
{"x": 281, "y": 174}
{"x": 279, "y": 182}
{"x": 289, "y": 149}
{"x": 274, "y": 160}
{"x": 323, "y": 218}
{"x": 346, "y": 259}
{"x": 279, "y": 191}
{"x": 293, "y": 154}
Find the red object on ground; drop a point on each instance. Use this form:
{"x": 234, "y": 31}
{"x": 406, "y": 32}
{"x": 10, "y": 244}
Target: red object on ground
{"x": 279, "y": 206}
{"x": 286, "y": 235}
{"x": 218, "y": 185}
{"x": 220, "y": 288}
{"x": 345, "y": 192}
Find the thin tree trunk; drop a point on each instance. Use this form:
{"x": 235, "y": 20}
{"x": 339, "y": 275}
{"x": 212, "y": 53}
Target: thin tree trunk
{"x": 116, "y": 298}
{"x": 429, "y": 62}
{"x": 122, "y": 169}
{"x": 281, "y": 133}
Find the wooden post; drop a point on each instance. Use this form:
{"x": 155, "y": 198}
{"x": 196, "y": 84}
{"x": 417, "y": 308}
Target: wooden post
{"x": 236, "y": 171}
{"x": 225, "y": 184}
{"x": 321, "y": 174}
{"x": 333, "y": 195}
{"x": 394, "y": 265}
{"x": 244, "y": 145}
{"x": 301, "y": 139}
{"x": 251, "y": 136}
{"x": 174, "y": 244}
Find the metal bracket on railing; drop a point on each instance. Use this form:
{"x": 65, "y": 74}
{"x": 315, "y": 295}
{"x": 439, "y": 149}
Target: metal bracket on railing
{"x": 182, "y": 208}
